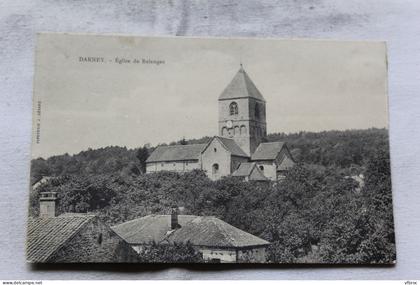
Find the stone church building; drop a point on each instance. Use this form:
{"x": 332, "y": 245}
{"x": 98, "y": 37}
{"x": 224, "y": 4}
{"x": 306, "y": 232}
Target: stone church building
{"x": 239, "y": 149}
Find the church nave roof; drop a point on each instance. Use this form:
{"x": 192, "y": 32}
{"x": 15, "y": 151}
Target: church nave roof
{"x": 267, "y": 151}
{"x": 176, "y": 153}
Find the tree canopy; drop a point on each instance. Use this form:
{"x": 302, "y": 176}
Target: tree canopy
{"x": 318, "y": 213}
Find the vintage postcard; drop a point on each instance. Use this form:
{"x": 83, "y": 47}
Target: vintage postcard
{"x": 193, "y": 150}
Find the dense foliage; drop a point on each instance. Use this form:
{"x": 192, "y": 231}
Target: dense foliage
{"x": 170, "y": 253}
{"x": 319, "y": 213}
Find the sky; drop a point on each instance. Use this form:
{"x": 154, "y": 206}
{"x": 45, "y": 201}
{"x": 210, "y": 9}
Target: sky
{"x": 308, "y": 85}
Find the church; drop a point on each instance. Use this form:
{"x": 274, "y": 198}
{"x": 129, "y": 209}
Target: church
{"x": 239, "y": 150}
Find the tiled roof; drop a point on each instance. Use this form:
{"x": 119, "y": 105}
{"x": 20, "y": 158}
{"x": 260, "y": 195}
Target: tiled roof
{"x": 241, "y": 86}
{"x": 232, "y": 146}
{"x": 202, "y": 231}
{"x": 149, "y": 228}
{"x": 46, "y": 235}
{"x": 250, "y": 170}
{"x": 176, "y": 153}
{"x": 267, "y": 151}
{"x": 213, "y": 232}
{"x": 244, "y": 169}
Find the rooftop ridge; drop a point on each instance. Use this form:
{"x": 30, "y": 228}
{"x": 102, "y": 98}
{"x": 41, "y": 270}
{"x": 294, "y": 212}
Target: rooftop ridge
{"x": 177, "y": 145}
{"x": 200, "y": 230}
{"x": 178, "y": 152}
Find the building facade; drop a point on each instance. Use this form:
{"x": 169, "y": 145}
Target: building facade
{"x": 242, "y": 130}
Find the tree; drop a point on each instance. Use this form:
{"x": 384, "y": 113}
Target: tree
{"x": 315, "y": 214}
{"x": 379, "y": 245}
{"x": 142, "y": 154}
{"x": 171, "y": 253}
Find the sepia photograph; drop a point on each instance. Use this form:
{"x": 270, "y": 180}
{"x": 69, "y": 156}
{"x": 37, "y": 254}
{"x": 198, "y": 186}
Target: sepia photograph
{"x": 215, "y": 150}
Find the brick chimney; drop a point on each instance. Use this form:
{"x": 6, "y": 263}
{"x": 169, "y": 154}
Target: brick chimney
{"x": 47, "y": 204}
{"x": 174, "y": 219}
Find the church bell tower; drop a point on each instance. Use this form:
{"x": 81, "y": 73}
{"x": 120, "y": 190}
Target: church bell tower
{"x": 242, "y": 114}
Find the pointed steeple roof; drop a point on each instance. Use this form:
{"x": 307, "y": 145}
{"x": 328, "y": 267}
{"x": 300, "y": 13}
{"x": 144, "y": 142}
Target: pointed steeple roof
{"x": 241, "y": 86}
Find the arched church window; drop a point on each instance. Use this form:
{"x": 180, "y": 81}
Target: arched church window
{"x": 237, "y": 131}
{"x": 224, "y": 131}
{"x": 262, "y": 168}
{"x": 233, "y": 108}
{"x": 215, "y": 168}
{"x": 243, "y": 130}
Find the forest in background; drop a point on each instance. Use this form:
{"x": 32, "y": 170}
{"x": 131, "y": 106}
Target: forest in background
{"x": 319, "y": 213}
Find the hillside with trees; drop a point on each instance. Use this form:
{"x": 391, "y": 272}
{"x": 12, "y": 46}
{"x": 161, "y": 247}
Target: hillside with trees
{"x": 319, "y": 213}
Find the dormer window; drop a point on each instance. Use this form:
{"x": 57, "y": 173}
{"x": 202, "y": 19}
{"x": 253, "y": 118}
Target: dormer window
{"x": 233, "y": 108}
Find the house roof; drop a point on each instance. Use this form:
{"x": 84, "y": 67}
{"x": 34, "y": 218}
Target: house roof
{"x": 244, "y": 169}
{"x": 213, "y": 232}
{"x": 176, "y": 153}
{"x": 267, "y": 151}
{"x": 249, "y": 169}
{"x": 241, "y": 86}
{"x": 46, "y": 235}
{"x": 199, "y": 230}
{"x": 232, "y": 146}
{"x": 152, "y": 228}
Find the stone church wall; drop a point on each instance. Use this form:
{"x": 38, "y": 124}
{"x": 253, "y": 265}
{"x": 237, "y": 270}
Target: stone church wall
{"x": 216, "y": 154}
{"x": 236, "y": 161}
{"x": 180, "y": 166}
{"x": 224, "y": 112}
{"x": 270, "y": 169}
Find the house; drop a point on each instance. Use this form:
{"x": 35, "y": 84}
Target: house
{"x": 250, "y": 171}
{"x": 72, "y": 237}
{"x": 217, "y": 240}
{"x": 242, "y": 130}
